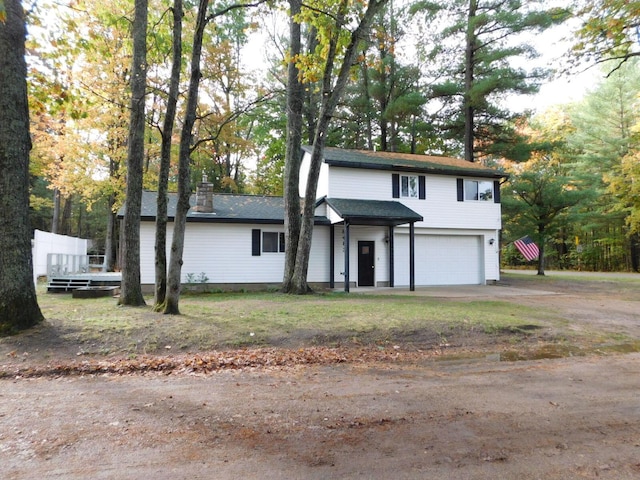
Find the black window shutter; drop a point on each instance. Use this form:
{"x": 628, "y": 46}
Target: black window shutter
{"x": 395, "y": 185}
{"x": 281, "y": 235}
{"x": 422, "y": 187}
{"x": 460, "y": 184}
{"x": 255, "y": 242}
{"x": 496, "y": 191}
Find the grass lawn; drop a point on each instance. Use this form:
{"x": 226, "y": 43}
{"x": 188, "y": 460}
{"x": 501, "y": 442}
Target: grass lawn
{"x": 232, "y": 320}
{"x": 223, "y": 321}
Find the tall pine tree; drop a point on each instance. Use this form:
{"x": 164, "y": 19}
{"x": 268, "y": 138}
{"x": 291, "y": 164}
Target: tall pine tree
{"x": 477, "y": 49}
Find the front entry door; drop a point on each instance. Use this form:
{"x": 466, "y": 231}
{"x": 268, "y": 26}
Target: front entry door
{"x": 366, "y": 263}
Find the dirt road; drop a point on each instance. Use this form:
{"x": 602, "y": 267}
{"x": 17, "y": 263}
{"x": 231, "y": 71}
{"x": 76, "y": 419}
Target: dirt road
{"x": 551, "y": 419}
{"x": 423, "y": 417}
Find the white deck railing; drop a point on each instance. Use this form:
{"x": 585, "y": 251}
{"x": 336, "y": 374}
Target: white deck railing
{"x": 64, "y": 264}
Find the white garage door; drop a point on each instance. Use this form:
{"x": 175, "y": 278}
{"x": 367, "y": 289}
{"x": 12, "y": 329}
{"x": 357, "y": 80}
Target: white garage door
{"x": 449, "y": 260}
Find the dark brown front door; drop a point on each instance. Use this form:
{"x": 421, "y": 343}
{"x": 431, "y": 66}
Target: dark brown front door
{"x": 366, "y": 263}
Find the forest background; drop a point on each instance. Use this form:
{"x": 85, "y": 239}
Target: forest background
{"x": 573, "y": 167}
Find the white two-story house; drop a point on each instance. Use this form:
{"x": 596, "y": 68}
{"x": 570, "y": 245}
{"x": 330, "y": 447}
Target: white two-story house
{"x": 382, "y": 219}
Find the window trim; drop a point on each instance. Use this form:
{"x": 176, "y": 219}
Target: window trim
{"x": 410, "y": 192}
{"x": 463, "y": 190}
{"x": 269, "y": 243}
{"x": 258, "y": 242}
{"x": 396, "y": 183}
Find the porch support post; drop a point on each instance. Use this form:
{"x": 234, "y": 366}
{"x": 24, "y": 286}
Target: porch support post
{"x": 346, "y": 256}
{"x": 391, "y": 268}
{"x": 332, "y": 252}
{"x": 412, "y": 257}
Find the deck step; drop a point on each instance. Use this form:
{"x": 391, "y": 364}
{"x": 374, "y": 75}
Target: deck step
{"x": 66, "y": 284}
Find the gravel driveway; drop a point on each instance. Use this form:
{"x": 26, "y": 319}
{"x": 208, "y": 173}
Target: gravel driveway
{"x": 472, "y": 417}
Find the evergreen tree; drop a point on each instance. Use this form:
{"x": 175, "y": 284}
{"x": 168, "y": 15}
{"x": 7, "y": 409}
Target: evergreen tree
{"x": 605, "y": 138}
{"x": 540, "y": 191}
{"x": 382, "y": 109}
{"x": 476, "y": 52}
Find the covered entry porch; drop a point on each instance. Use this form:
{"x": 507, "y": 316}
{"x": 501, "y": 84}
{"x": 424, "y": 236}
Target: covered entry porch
{"x": 374, "y": 213}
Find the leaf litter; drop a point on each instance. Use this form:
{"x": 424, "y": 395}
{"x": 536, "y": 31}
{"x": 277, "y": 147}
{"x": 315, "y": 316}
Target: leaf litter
{"x": 213, "y": 361}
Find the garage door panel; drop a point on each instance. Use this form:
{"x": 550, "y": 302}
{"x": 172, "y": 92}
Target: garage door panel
{"x": 444, "y": 260}
{"x": 448, "y": 260}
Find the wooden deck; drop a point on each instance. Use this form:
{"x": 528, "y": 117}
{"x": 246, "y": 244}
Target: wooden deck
{"x": 70, "y": 282}
{"x": 68, "y": 272}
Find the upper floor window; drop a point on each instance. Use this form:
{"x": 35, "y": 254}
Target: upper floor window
{"x": 478, "y": 190}
{"x": 409, "y": 186}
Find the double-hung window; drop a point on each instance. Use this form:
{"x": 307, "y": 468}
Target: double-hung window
{"x": 272, "y": 242}
{"x": 478, "y": 190}
{"x": 266, "y": 242}
{"x": 409, "y": 186}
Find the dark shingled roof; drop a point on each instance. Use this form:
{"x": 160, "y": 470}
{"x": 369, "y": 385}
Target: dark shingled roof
{"x": 227, "y": 208}
{"x": 372, "y": 212}
{"x": 405, "y": 162}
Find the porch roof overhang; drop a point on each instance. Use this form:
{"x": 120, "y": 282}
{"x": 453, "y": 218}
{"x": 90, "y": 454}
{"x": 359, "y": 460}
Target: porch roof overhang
{"x": 372, "y": 212}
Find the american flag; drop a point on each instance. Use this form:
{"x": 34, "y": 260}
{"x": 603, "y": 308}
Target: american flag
{"x": 527, "y": 248}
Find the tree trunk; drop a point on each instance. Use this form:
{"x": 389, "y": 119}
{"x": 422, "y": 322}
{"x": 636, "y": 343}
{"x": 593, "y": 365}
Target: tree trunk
{"x": 171, "y": 305}
{"x": 110, "y": 242}
{"x": 310, "y": 95}
{"x": 18, "y": 302}
{"x": 541, "y": 235}
{"x": 131, "y": 290}
{"x": 384, "y": 124}
{"x": 469, "y": 64}
{"x": 295, "y": 99}
{"x": 80, "y": 223}
{"x": 634, "y": 251}
{"x": 110, "y": 249}
{"x": 364, "y": 72}
{"x": 414, "y": 139}
{"x": 55, "y": 221}
{"x": 165, "y": 161}
{"x": 332, "y": 91}
{"x": 65, "y": 219}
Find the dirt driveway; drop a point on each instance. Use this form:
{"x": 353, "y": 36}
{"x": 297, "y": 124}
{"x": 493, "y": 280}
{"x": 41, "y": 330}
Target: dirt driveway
{"x": 434, "y": 417}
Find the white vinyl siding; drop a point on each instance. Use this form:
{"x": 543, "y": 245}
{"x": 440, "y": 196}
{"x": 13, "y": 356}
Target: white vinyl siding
{"x": 356, "y": 234}
{"x": 440, "y": 209}
{"x": 222, "y": 251}
{"x": 359, "y": 183}
{"x": 323, "y": 179}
